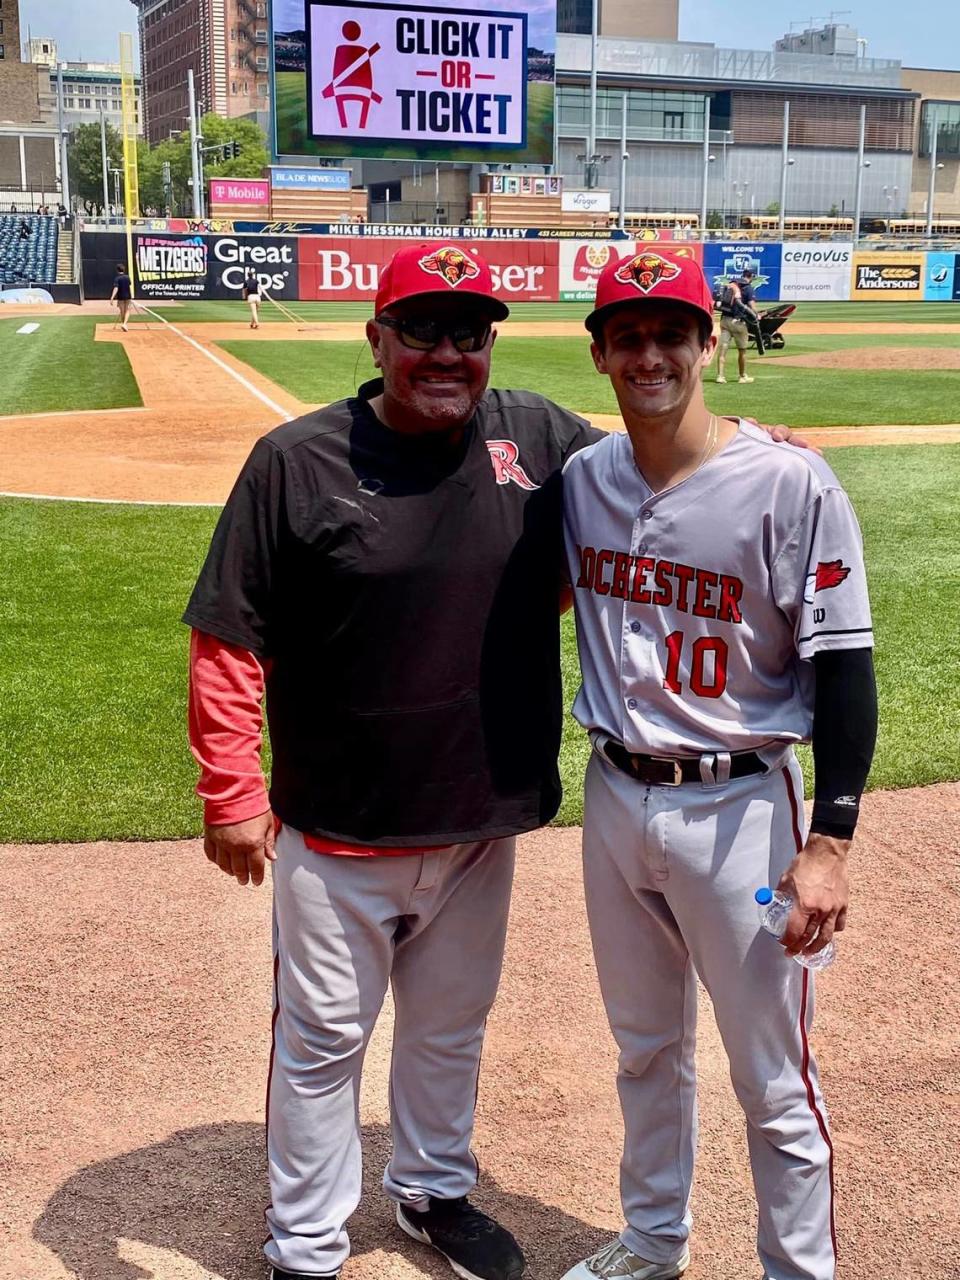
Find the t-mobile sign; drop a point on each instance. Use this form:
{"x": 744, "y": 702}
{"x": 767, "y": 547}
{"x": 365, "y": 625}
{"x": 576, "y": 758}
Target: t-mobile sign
{"x": 399, "y": 73}
{"x": 239, "y": 191}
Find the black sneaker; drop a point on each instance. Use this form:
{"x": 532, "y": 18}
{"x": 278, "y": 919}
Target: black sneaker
{"x": 277, "y": 1274}
{"x": 475, "y": 1246}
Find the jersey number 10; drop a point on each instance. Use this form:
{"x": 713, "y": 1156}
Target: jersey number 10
{"x": 703, "y": 647}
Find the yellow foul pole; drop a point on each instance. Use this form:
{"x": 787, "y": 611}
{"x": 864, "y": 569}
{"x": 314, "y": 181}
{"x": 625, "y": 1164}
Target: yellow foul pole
{"x": 131, "y": 177}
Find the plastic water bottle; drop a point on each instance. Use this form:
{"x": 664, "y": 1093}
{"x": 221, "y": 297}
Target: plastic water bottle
{"x": 774, "y": 911}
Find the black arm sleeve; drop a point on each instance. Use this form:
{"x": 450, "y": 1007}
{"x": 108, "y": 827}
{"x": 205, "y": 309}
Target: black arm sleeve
{"x": 844, "y": 735}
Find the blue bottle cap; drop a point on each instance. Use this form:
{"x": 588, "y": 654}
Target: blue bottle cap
{"x": 763, "y": 896}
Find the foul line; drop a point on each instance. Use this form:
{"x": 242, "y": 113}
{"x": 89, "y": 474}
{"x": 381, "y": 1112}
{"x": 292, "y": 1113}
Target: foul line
{"x": 105, "y": 502}
{"x": 283, "y": 414}
{"x": 69, "y": 413}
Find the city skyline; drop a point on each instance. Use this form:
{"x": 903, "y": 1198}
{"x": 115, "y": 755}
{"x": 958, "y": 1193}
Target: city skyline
{"x": 91, "y": 33}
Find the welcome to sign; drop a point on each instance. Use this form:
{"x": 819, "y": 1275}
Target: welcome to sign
{"x": 397, "y": 73}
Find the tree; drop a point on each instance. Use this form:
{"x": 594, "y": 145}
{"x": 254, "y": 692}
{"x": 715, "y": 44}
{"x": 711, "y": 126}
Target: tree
{"x": 85, "y": 163}
{"x": 714, "y": 219}
{"x": 86, "y": 167}
{"x": 253, "y": 157}
{"x": 773, "y": 208}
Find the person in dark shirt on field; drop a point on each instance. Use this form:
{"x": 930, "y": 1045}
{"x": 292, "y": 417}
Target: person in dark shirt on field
{"x": 122, "y": 293}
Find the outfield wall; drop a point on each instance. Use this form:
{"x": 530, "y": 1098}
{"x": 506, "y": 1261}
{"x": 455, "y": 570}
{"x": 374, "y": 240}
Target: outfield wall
{"x": 345, "y": 267}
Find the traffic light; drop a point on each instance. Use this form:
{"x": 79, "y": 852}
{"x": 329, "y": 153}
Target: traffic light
{"x": 232, "y": 150}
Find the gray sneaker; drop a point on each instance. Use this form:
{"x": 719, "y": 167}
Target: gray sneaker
{"x": 615, "y": 1262}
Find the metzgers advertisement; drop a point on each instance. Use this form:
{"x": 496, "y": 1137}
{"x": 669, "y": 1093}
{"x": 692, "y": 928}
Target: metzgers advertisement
{"x": 214, "y": 266}
{"x": 170, "y": 266}
{"x": 887, "y": 276}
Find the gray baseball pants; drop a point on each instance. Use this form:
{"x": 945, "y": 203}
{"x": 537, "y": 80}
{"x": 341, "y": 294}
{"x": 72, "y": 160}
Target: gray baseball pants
{"x": 433, "y": 926}
{"x": 670, "y": 874}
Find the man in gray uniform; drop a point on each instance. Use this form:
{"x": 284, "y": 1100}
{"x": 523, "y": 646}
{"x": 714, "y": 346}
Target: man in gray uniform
{"x": 722, "y": 617}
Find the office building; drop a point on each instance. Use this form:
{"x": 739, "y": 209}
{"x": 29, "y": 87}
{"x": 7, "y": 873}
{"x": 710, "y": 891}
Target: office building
{"x": 224, "y": 42}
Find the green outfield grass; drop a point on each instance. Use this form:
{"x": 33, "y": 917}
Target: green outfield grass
{"x": 562, "y": 368}
{"x": 60, "y": 367}
{"x": 293, "y": 139}
{"x": 92, "y": 668}
{"x": 93, "y": 657}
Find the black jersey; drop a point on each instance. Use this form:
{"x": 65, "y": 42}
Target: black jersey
{"x": 405, "y": 593}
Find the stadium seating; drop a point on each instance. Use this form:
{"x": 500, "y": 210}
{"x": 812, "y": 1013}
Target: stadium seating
{"x": 26, "y": 258}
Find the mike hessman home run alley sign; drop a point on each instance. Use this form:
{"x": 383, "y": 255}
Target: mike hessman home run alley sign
{"x": 433, "y": 82}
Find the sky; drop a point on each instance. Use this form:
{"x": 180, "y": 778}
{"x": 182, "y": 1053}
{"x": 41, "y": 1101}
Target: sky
{"x": 930, "y": 38}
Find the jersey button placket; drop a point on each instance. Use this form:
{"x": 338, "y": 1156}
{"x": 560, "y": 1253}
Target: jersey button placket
{"x": 636, "y": 635}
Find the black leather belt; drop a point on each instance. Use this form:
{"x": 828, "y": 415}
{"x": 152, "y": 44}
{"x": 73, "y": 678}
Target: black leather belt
{"x": 671, "y": 771}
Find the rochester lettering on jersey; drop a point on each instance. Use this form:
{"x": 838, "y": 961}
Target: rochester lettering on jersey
{"x": 665, "y": 583}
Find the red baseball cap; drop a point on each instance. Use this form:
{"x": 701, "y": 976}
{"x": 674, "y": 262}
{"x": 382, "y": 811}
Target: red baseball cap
{"x": 651, "y": 275}
{"x": 437, "y": 267}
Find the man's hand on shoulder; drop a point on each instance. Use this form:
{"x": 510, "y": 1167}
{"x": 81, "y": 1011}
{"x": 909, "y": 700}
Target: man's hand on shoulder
{"x": 817, "y": 881}
{"x": 242, "y": 849}
{"x": 783, "y": 435}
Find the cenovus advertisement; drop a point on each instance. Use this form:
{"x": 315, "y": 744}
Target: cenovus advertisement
{"x": 812, "y": 272}
{"x": 433, "y": 81}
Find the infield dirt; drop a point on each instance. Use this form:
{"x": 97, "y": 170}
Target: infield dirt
{"x": 198, "y": 422}
{"x": 136, "y": 1042}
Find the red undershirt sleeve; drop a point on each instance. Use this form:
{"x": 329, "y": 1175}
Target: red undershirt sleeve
{"x": 226, "y": 729}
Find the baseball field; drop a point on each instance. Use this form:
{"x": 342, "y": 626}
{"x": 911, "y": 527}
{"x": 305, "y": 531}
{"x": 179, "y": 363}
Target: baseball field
{"x": 143, "y": 976}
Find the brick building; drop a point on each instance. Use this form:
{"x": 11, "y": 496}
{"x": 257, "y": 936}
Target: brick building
{"x": 19, "y": 94}
{"x": 29, "y": 151}
{"x": 224, "y": 42}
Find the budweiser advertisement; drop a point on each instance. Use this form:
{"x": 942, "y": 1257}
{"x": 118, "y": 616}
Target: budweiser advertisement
{"x": 347, "y": 268}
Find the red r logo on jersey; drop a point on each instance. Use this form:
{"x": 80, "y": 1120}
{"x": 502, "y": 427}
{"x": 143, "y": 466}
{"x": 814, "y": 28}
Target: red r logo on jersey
{"x": 504, "y": 455}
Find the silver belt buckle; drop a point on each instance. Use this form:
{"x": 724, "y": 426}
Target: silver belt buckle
{"x": 677, "y": 771}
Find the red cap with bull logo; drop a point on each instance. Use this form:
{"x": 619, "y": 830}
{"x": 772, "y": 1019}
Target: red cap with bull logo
{"x": 437, "y": 267}
{"x": 651, "y": 275}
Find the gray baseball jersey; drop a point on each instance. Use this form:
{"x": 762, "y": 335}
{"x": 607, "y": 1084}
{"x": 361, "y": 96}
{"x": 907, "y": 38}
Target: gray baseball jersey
{"x": 697, "y": 606}
{"x": 697, "y": 609}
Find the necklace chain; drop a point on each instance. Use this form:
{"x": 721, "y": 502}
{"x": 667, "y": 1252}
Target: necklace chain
{"x": 713, "y": 431}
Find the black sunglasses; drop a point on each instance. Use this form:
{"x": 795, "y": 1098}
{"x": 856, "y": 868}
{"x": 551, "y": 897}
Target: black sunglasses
{"x": 422, "y": 335}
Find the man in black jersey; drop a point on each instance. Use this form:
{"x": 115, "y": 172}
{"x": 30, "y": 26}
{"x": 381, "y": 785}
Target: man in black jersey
{"x": 389, "y": 569}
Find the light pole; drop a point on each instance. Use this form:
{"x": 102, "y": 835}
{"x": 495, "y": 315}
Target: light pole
{"x": 104, "y": 162}
{"x": 64, "y": 166}
{"x": 624, "y": 157}
{"x": 784, "y": 162}
{"x": 933, "y": 168}
{"x": 591, "y": 171}
{"x": 707, "y": 157}
{"x": 861, "y": 165}
{"x": 195, "y": 183}
{"x": 116, "y": 188}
